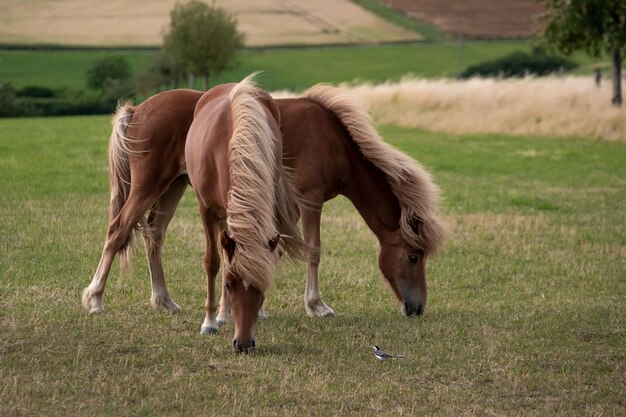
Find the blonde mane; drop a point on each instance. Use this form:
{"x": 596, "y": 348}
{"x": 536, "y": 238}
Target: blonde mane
{"x": 412, "y": 185}
{"x": 253, "y": 181}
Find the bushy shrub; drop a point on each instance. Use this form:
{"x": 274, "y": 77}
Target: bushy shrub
{"x": 36, "y": 101}
{"x": 106, "y": 70}
{"x": 13, "y": 106}
{"x": 519, "y": 64}
{"x": 36, "y": 91}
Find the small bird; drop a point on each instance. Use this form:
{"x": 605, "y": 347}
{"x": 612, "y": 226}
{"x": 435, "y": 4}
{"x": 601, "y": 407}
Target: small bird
{"x": 382, "y": 356}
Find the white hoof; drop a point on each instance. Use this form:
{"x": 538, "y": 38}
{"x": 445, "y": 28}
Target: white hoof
{"x": 165, "y": 303}
{"x": 318, "y": 309}
{"x": 96, "y": 310}
{"x": 222, "y": 318}
{"x": 91, "y": 302}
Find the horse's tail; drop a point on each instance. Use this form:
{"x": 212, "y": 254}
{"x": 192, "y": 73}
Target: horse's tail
{"x": 119, "y": 176}
{"x": 417, "y": 194}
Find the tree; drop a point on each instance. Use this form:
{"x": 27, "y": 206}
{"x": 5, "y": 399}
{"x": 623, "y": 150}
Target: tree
{"x": 595, "y": 26}
{"x": 205, "y": 38}
{"x": 164, "y": 70}
{"x": 107, "y": 70}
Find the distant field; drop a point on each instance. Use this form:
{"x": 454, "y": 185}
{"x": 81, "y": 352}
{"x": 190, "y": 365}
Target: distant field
{"x": 141, "y": 22}
{"x": 475, "y": 18}
{"x": 291, "y": 68}
{"x": 526, "y": 312}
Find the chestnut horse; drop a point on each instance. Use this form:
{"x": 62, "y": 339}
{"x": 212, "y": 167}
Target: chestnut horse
{"x": 330, "y": 144}
{"x": 234, "y": 161}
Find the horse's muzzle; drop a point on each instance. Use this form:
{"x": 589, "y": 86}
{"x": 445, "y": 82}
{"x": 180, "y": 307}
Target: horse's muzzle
{"x": 410, "y": 309}
{"x": 243, "y": 347}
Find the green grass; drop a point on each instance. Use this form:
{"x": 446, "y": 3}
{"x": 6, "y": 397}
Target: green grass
{"x": 58, "y": 68}
{"x": 526, "y": 311}
{"x": 289, "y": 68}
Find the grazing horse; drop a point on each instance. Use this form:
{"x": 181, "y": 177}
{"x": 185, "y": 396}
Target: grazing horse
{"x": 330, "y": 144}
{"x": 332, "y": 148}
{"x": 233, "y": 155}
{"x": 233, "y": 158}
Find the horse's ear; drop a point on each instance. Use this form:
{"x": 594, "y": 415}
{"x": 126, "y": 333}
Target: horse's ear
{"x": 416, "y": 224}
{"x": 228, "y": 244}
{"x": 273, "y": 243}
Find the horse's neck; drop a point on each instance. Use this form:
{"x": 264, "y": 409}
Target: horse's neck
{"x": 371, "y": 194}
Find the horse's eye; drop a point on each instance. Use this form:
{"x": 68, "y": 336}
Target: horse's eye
{"x": 413, "y": 259}
{"x": 228, "y": 286}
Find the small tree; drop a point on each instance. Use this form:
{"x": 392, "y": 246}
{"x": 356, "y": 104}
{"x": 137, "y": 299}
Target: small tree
{"x": 592, "y": 25}
{"x": 203, "y": 37}
{"x": 106, "y": 70}
{"x": 164, "y": 71}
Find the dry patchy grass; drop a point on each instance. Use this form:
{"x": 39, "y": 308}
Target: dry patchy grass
{"x": 525, "y": 317}
{"x": 568, "y": 106}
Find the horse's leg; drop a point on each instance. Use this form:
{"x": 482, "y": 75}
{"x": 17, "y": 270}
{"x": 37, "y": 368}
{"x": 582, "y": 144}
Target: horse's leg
{"x": 212, "y": 266}
{"x": 158, "y": 220}
{"x": 313, "y": 303}
{"x": 224, "y": 313}
{"x": 118, "y": 233}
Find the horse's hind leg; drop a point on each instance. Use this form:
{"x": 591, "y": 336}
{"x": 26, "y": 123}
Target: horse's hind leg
{"x": 313, "y": 303}
{"x": 158, "y": 221}
{"x": 118, "y": 234}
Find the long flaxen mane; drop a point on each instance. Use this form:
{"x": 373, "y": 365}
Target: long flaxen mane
{"x": 417, "y": 194}
{"x": 259, "y": 206}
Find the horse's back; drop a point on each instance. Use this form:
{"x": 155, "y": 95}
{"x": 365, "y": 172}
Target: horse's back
{"x": 316, "y": 146}
{"x": 163, "y": 119}
{"x": 206, "y": 148}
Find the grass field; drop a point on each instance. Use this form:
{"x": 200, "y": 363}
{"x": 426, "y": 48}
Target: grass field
{"x": 526, "y": 312}
{"x": 292, "y": 68}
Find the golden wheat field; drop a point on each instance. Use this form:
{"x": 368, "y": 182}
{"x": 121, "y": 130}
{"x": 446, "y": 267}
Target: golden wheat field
{"x": 141, "y": 22}
{"x": 549, "y": 106}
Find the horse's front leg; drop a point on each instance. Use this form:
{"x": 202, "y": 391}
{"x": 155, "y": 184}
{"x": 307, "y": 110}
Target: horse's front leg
{"x": 158, "y": 220}
{"x": 224, "y": 314}
{"x": 313, "y": 303}
{"x": 212, "y": 266}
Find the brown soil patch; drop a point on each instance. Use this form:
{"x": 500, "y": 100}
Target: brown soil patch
{"x": 478, "y": 18}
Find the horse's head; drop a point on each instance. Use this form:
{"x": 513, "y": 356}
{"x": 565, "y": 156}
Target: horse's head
{"x": 404, "y": 269}
{"x": 244, "y": 299}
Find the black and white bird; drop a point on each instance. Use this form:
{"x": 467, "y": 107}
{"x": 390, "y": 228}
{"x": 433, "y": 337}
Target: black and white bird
{"x": 381, "y": 356}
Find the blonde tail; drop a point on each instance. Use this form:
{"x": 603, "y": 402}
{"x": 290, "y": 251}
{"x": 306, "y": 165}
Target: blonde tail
{"x": 119, "y": 176}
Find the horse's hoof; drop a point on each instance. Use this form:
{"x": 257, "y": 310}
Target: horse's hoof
{"x": 208, "y": 330}
{"x": 222, "y": 319}
{"x": 319, "y": 309}
{"x": 96, "y": 310}
{"x": 171, "y": 307}
{"x": 166, "y": 304}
